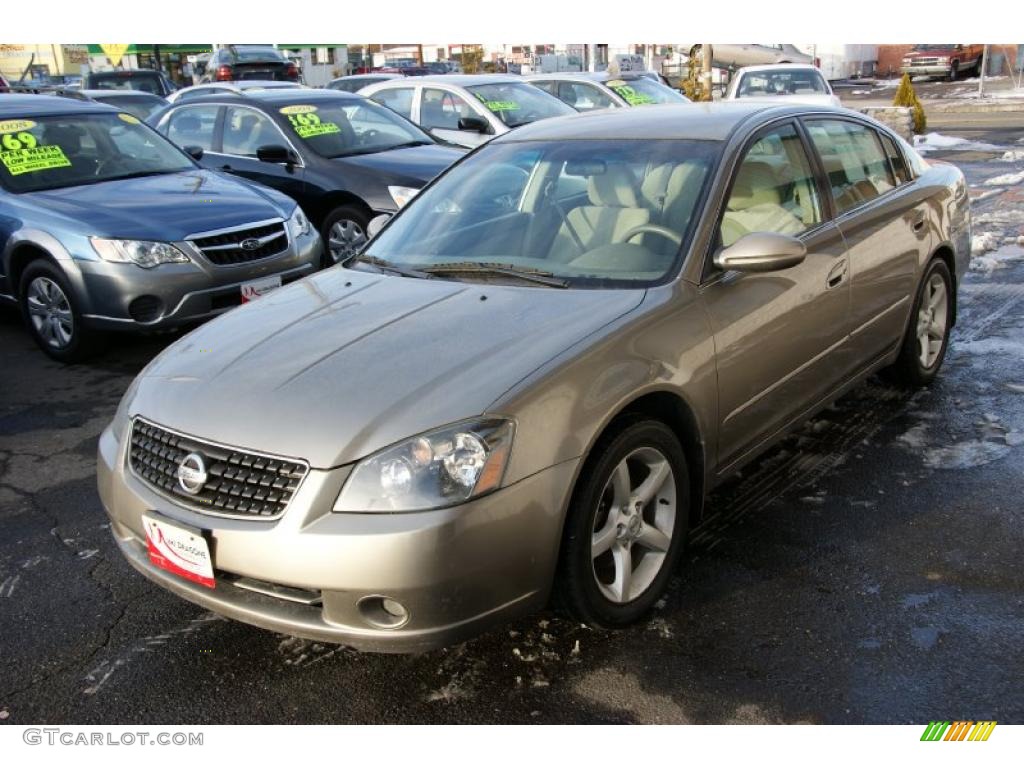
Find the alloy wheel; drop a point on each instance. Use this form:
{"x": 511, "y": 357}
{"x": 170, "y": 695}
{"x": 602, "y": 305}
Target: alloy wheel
{"x": 633, "y": 525}
{"x": 932, "y": 319}
{"x": 50, "y": 312}
{"x": 345, "y": 239}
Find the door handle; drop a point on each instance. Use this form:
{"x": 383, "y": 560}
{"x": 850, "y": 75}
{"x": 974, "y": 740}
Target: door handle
{"x": 918, "y": 221}
{"x": 226, "y": 168}
{"x": 837, "y": 274}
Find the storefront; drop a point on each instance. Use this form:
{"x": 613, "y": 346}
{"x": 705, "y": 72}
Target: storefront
{"x": 171, "y": 58}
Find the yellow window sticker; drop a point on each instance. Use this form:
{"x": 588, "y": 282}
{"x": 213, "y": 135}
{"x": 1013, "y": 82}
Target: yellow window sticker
{"x": 298, "y": 109}
{"x": 501, "y": 106}
{"x": 615, "y": 83}
{"x": 631, "y": 95}
{"x": 32, "y": 159}
{"x": 16, "y": 126}
{"x": 307, "y": 124}
{"x": 130, "y": 119}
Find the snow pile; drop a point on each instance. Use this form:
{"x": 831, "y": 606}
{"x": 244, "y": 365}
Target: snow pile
{"x": 930, "y": 142}
{"x": 1013, "y": 155}
{"x": 999, "y": 258}
{"x": 1005, "y": 180}
{"x": 986, "y": 241}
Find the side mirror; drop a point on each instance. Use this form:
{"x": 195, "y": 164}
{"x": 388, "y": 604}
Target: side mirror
{"x": 377, "y": 224}
{"x": 477, "y": 124}
{"x": 762, "y": 252}
{"x": 196, "y": 153}
{"x": 276, "y": 153}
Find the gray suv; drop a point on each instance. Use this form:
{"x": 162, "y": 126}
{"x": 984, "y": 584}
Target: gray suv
{"x": 107, "y": 226}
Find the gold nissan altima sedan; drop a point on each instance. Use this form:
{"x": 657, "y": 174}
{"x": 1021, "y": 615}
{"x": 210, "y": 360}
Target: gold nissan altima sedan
{"x": 533, "y": 374}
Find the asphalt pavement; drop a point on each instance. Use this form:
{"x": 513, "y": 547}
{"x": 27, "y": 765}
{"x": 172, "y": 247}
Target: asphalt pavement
{"x": 868, "y": 570}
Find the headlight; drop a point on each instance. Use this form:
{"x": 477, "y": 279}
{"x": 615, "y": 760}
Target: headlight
{"x": 299, "y": 225}
{"x": 402, "y": 195}
{"x": 432, "y": 470}
{"x": 943, "y": 60}
{"x": 906, "y": 62}
{"x": 144, "y": 253}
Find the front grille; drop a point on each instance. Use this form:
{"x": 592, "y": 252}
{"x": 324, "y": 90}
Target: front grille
{"x": 238, "y": 483}
{"x": 225, "y": 249}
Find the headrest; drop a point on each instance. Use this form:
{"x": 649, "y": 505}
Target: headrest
{"x": 756, "y": 183}
{"x": 615, "y": 187}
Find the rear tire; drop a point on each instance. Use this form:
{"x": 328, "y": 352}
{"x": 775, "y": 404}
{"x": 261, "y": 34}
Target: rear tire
{"x": 622, "y": 537}
{"x": 52, "y": 316}
{"x": 927, "y": 336}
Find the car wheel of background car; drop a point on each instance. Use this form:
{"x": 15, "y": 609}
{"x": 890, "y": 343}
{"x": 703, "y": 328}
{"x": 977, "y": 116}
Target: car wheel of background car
{"x": 51, "y": 316}
{"x": 626, "y": 525}
{"x": 344, "y": 233}
{"x": 927, "y": 337}
{"x": 954, "y": 71}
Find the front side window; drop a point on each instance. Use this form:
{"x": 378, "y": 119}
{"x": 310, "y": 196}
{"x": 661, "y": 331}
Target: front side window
{"x": 246, "y": 130}
{"x": 192, "y": 126}
{"x": 773, "y": 189}
{"x": 639, "y": 91}
{"x": 349, "y": 127}
{"x": 396, "y": 99}
{"x": 519, "y": 103}
{"x": 857, "y": 169}
{"x": 584, "y": 97}
{"x": 443, "y": 109}
{"x": 594, "y": 213}
{"x": 39, "y": 153}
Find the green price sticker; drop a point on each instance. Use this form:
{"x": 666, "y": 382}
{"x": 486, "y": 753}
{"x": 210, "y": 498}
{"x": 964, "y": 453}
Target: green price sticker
{"x": 32, "y": 159}
{"x": 308, "y": 124}
{"x": 631, "y": 95}
{"x": 501, "y": 106}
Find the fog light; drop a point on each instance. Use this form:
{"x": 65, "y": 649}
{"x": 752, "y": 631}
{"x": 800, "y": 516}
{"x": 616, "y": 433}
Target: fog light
{"x": 383, "y": 612}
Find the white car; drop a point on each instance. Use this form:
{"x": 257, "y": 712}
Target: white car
{"x": 797, "y": 83}
{"x": 229, "y": 86}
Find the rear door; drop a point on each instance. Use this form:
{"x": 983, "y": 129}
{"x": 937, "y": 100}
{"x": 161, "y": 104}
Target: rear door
{"x": 885, "y": 227}
{"x": 780, "y": 337}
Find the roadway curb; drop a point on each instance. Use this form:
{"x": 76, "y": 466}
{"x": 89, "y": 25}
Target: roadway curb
{"x": 1002, "y": 105}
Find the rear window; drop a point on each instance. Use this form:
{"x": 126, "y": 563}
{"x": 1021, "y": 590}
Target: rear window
{"x": 243, "y": 55}
{"x": 125, "y": 81}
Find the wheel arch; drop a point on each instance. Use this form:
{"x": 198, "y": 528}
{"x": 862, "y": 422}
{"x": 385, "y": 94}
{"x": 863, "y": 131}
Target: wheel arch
{"x": 336, "y": 199}
{"x": 21, "y": 255}
{"x": 945, "y": 253}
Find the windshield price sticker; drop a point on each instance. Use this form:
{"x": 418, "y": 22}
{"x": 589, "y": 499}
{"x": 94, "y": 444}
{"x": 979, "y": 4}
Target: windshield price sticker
{"x": 306, "y": 123}
{"x": 298, "y": 109}
{"x": 130, "y": 119}
{"x": 501, "y": 106}
{"x": 16, "y": 126}
{"x": 632, "y": 97}
{"x": 32, "y": 158}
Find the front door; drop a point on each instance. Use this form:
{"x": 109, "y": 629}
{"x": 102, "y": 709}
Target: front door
{"x": 780, "y": 337}
{"x": 244, "y": 131}
{"x": 440, "y": 112}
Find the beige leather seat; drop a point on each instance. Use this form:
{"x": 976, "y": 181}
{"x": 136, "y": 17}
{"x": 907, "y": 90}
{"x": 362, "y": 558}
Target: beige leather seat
{"x": 669, "y": 191}
{"x": 613, "y": 210}
{"x": 755, "y": 204}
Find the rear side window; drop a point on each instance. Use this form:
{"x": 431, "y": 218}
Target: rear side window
{"x": 584, "y": 97}
{"x": 192, "y": 126}
{"x": 396, "y": 99}
{"x": 896, "y": 159}
{"x": 857, "y": 168}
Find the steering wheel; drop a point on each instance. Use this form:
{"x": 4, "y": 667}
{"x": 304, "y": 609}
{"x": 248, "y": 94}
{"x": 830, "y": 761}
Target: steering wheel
{"x": 368, "y": 135}
{"x": 654, "y": 229}
{"x": 106, "y": 162}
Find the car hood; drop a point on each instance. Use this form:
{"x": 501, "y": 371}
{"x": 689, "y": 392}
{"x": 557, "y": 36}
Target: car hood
{"x": 167, "y": 207}
{"x": 337, "y": 366}
{"x": 408, "y": 165}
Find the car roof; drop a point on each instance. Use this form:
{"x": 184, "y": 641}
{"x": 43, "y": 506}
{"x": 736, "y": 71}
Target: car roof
{"x": 700, "y": 121}
{"x": 775, "y": 67}
{"x": 99, "y": 93}
{"x": 123, "y": 72}
{"x": 466, "y": 81}
{"x": 274, "y": 96}
{"x": 599, "y": 77}
{"x": 14, "y": 105}
{"x": 381, "y": 75}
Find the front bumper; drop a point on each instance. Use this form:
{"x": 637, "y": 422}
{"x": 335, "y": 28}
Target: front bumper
{"x": 183, "y": 293}
{"x": 456, "y": 571}
{"x": 931, "y": 70}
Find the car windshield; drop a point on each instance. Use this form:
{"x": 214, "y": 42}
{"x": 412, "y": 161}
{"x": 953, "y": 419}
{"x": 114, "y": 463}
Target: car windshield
{"x": 786, "y": 82}
{"x": 136, "y": 104}
{"x": 638, "y": 91}
{"x": 39, "y": 153}
{"x": 350, "y": 127}
{"x": 519, "y": 103}
{"x": 935, "y": 47}
{"x": 126, "y": 81}
{"x": 590, "y": 213}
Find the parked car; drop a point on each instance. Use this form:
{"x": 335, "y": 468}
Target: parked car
{"x": 532, "y": 376}
{"x": 147, "y": 80}
{"x": 948, "y": 60}
{"x": 249, "y": 62}
{"x": 734, "y": 56}
{"x": 345, "y": 158}
{"x": 798, "y": 83}
{"x": 138, "y": 103}
{"x": 354, "y": 83}
{"x": 107, "y": 226}
{"x": 226, "y": 88}
{"x": 584, "y": 91}
{"x": 467, "y": 109}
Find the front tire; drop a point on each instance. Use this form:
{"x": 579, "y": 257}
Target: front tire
{"x": 626, "y": 526}
{"x": 344, "y": 233}
{"x": 954, "y": 71}
{"x": 927, "y": 336}
{"x": 49, "y": 309}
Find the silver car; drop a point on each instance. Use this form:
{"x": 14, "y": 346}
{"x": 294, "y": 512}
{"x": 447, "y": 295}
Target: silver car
{"x": 467, "y": 109}
{"x": 585, "y": 91}
{"x": 535, "y": 372}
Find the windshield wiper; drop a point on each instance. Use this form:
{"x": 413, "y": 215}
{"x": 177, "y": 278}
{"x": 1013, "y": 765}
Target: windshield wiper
{"x": 375, "y": 150}
{"x": 386, "y": 266}
{"x": 528, "y": 274}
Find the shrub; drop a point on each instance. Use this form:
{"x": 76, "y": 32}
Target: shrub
{"x": 907, "y": 97}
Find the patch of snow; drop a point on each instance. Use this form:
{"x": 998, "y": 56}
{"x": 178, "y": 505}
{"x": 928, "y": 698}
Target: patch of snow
{"x": 999, "y": 258}
{"x": 915, "y": 437}
{"x": 1013, "y": 155}
{"x": 930, "y": 142}
{"x": 1005, "y": 180}
{"x": 965, "y": 455}
{"x": 986, "y": 241}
